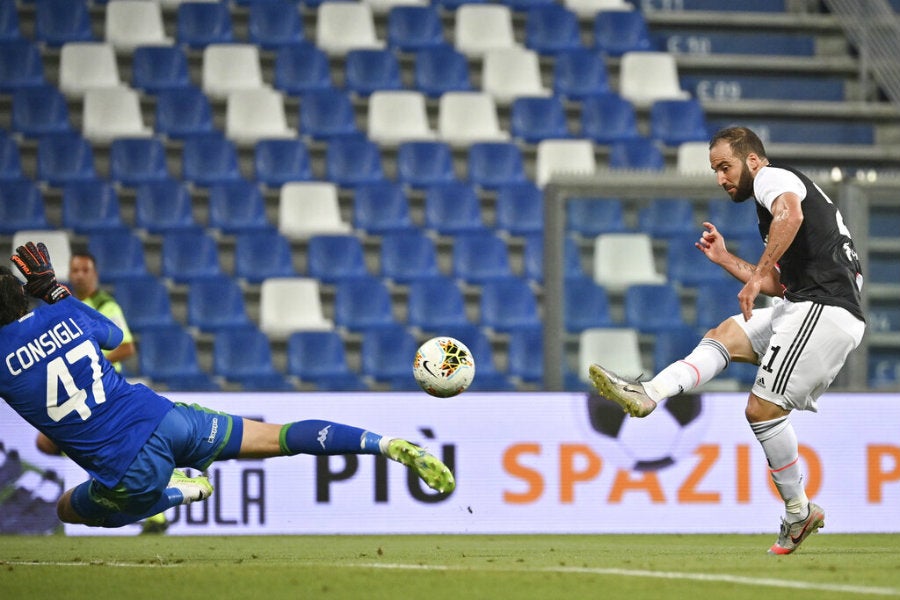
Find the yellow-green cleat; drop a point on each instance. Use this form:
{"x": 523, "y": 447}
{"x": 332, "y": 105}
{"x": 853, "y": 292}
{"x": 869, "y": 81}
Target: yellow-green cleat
{"x": 155, "y": 525}
{"x": 432, "y": 471}
{"x": 192, "y": 489}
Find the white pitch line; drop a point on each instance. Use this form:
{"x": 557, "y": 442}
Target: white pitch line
{"x": 735, "y": 579}
{"x": 99, "y": 563}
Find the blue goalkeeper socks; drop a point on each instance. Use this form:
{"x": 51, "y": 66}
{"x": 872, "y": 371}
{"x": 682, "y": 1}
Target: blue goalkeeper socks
{"x": 327, "y": 437}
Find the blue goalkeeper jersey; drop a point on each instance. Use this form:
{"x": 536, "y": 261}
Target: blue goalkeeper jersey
{"x": 55, "y": 376}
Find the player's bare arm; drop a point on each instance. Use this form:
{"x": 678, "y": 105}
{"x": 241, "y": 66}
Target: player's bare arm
{"x": 712, "y": 244}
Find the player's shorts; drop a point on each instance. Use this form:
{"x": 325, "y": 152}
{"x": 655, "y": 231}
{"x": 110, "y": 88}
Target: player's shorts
{"x": 802, "y": 346}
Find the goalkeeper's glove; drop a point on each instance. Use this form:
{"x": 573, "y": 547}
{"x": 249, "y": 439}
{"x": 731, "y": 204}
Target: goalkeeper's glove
{"x": 33, "y": 261}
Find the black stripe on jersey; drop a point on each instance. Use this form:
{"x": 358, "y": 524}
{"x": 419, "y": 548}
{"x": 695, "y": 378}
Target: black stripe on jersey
{"x": 796, "y": 348}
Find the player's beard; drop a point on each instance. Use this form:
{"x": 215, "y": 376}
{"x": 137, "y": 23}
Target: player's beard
{"x": 744, "y": 189}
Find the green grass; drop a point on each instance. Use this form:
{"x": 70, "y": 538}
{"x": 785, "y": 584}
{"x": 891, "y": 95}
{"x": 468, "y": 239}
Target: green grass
{"x": 452, "y": 566}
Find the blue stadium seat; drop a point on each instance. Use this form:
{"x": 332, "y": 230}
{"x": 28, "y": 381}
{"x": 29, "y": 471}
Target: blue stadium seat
{"x": 57, "y": 22}
{"x": 10, "y": 159}
{"x": 183, "y": 112}
{"x": 733, "y": 220}
{"x": 216, "y": 303}
{"x": 381, "y": 207}
{"x": 326, "y": 114}
{"x": 580, "y": 73}
{"x": 519, "y": 209}
{"x": 237, "y": 206}
{"x": 650, "y": 308}
{"x": 386, "y": 352}
{"x": 480, "y": 257}
{"x": 525, "y": 5}
{"x": 672, "y": 345}
{"x": 453, "y": 208}
{"x": 412, "y": 28}
{"x": 157, "y": 68}
{"x": 369, "y": 70}
{"x": 64, "y": 158}
{"x": 493, "y": 165}
{"x": 209, "y": 159}
{"x": 608, "y": 118}
{"x": 424, "y": 163}
{"x": 533, "y": 119}
{"x": 674, "y": 122}
{"x": 198, "y": 24}
{"x": 363, "y": 303}
{"x": 436, "y": 303}
{"x": 133, "y": 161}
{"x": 407, "y": 256}
{"x": 21, "y": 207}
{"x": 667, "y": 218}
{"x": 163, "y": 206}
{"x": 526, "y": 354}
{"x": 688, "y": 266}
{"x": 586, "y": 305}
{"x": 317, "y": 355}
{"x": 9, "y": 22}
{"x": 883, "y": 371}
{"x": 301, "y": 68}
{"x": 441, "y": 69}
{"x": 90, "y": 206}
{"x": 592, "y": 216}
{"x": 189, "y": 254}
{"x": 332, "y": 258}
{"x": 261, "y": 254}
{"x": 350, "y": 161}
{"x": 21, "y": 65}
{"x": 551, "y": 28}
{"x": 749, "y": 246}
{"x": 619, "y": 31}
{"x": 274, "y": 23}
{"x": 638, "y": 154}
{"x": 534, "y": 258}
{"x": 278, "y": 161}
{"x": 452, "y": 5}
{"x": 39, "y": 110}
{"x": 348, "y": 382}
{"x": 244, "y": 355}
{"x": 145, "y": 303}
{"x": 168, "y": 353}
{"x": 716, "y": 301}
{"x": 478, "y": 343}
{"x": 120, "y": 254}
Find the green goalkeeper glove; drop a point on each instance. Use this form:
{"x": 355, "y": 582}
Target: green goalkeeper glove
{"x": 40, "y": 279}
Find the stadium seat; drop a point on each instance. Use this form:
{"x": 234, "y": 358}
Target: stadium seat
{"x": 468, "y": 117}
{"x": 624, "y": 259}
{"x": 326, "y": 114}
{"x": 133, "y": 23}
{"x": 508, "y": 73}
{"x": 110, "y": 113}
{"x": 608, "y": 118}
{"x": 256, "y": 114}
{"x": 157, "y": 68}
{"x": 667, "y": 218}
{"x": 363, "y": 303}
{"x": 350, "y": 161}
{"x": 274, "y": 24}
{"x": 133, "y": 161}
{"x": 732, "y": 219}
{"x": 424, "y": 163}
{"x": 385, "y": 352}
{"x": 551, "y": 28}
{"x": 216, "y": 303}
{"x": 480, "y": 257}
{"x": 651, "y": 308}
{"x": 333, "y": 258}
{"x": 367, "y": 70}
{"x": 315, "y": 355}
{"x": 291, "y": 304}
{"x": 674, "y": 122}
{"x": 671, "y": 345}
{"x": 383, "y": 7}
{"x": 590, "y": 217}
{"x": 243, "y": 354}
{"x": 533, "y": 119}
{"x": 58, "y": 22}
{"x": 412, "y": 28}
{"x": 619, "y": 31}
{"x": 688, "y": 266}
{"x": 616, "y": 348}
{"x": 183, "y": 112}
{"x": 209, "y": 159}
{"x": 441, "y": 69}
{"x": 715, "y": 302}
{"x": 87, "y": 65}
{"x": 145, "y": 303}
{"x": 519, "y": 209}
{"x": 398, "y": 116}
{"x": 526, "y": 354}
{"x": 9, "y": 22}
{"x": 579, "y": 74}
{"x": 508, "y": 304}
{"x": 199, "y": 24}
{"x": 301, "y": 68}
{"x": 452, "y": 208}
{"x": 236, "y": 207}
{"x": 90, "y": 206}
{"x": 189, "y": 254}
{"x": 347, "y": 382}
{"x": 39, "y": 110}
{"x": 261, "y": 254}
{"x": 563, "y": 157}
{"x": 586, "y": 305}
{"x": 640, "y": 153}
{"x": 407, "y": 256}
{"x": 435, "y": 304}
{"x": 10, "y": 159}
{"x": 493, "y": 165}
{"x": 167, "y": 352}
{"x": 479, "y": 28}
{"x": 692, "y": 158}
{"x": 163, "y": 206}
{"x": 308, "y": 208}
{"x": 645, "y": 77}
{"x": 344, "y": 26}
{"x": 120, "y": 254}
{"x": 589, "y": 8}
{"x": 230, "y": 67}
{"x": 534, "y": 258}
{"x": 63, "y": 158}
{"x": 21, "y": 207}
{"x": 279, "y": 161}
{"x": 21, "y": 65}
{"x": 381, "y": 207}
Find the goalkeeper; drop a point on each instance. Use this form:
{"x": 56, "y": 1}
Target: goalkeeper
{"x": 129, "y": 439}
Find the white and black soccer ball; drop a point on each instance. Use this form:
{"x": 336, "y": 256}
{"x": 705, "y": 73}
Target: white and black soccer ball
{"x": 660, "y": 440}
{"x": 444, "y": 367}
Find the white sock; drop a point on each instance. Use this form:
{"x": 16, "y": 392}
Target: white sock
{"x": 779, "y": 442}
{"x": 706, "y": 361}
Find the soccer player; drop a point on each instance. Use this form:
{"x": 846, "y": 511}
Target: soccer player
{"x": 811, "y": 270}
{"x": 127, "y": 437}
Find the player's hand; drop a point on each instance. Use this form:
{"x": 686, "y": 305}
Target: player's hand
{"x": 747, "y": 296}
{"x": 33, "y": 261}
{"x": 712, "y": 244}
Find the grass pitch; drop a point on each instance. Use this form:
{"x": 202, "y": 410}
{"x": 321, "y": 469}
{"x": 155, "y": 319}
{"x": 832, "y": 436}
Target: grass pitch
{"x": 636, "y": 567}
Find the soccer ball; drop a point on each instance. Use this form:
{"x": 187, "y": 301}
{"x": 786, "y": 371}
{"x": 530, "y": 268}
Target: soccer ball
{"x": 669, "y": 434}
{"x": 444, "y": 367}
